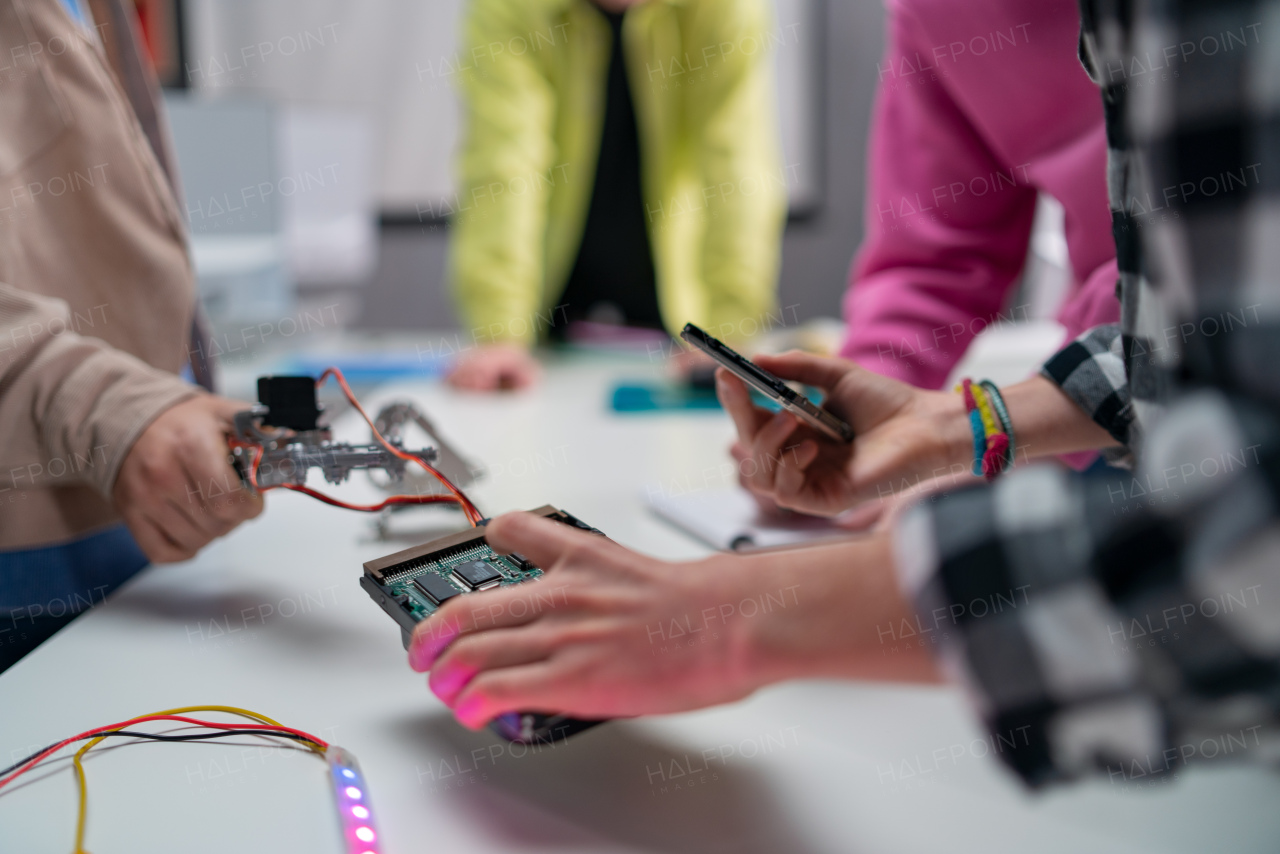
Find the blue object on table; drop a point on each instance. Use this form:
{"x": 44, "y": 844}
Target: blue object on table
{"x": 639, "y": 396}
{"x": 367, "y": 367}
{"x": 660, "y": 397}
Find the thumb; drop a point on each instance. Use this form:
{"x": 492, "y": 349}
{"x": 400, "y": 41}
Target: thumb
{"x": 224, "y": 407}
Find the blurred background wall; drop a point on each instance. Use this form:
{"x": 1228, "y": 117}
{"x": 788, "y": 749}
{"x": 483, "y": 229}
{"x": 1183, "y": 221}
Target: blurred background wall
{"x": 338, "y": 123}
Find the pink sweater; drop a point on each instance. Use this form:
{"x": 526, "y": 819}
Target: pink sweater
{"x": 981, "y": 104}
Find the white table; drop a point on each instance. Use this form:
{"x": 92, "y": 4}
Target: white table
{"x": 272, "y": 619}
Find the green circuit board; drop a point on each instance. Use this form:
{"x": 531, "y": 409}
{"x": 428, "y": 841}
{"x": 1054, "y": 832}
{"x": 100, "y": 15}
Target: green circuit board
{"x": 405, "y": 583}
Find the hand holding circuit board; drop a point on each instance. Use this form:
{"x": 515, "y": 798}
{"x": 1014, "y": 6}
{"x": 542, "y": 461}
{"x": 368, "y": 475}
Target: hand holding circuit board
{"x": 413, "y": 584}
{"x": 601, "y": 634}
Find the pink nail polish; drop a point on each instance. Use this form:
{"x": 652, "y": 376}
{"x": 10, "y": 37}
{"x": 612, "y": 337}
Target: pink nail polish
{"x": 466, "y": 710}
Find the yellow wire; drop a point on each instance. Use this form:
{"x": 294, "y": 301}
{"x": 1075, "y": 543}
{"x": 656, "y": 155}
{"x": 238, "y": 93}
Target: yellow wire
{"x": 988, "y": 418}
{"x": 83, "y": 788}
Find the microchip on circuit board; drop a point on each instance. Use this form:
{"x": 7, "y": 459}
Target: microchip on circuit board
{"x": 477, "y": 574}
{"x": 436, "y": 588}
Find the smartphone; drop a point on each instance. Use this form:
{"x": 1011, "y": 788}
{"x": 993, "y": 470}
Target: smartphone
{"x": 768, "y": 385}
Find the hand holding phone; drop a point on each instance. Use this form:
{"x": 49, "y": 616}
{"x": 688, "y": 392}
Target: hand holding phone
{"x": 768, "y": 385}
{"x": 905, "y": 436}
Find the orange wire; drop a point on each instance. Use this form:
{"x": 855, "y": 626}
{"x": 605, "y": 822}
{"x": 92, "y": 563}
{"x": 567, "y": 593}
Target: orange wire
{"x": 472, "y": 512}
{"x": 372, "y": 508}
{"x": 469, "y": 509}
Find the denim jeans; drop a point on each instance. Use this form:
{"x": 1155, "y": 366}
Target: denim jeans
{"x": 44, "y": 589}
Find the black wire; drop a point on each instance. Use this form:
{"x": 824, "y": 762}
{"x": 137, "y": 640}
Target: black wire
{"x": 199, "y": 736}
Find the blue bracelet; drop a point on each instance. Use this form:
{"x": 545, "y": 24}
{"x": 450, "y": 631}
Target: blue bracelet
{"x": 979, "y": 440}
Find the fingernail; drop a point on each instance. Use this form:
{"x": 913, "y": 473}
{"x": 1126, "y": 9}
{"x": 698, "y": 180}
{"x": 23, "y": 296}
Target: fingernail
{"x": 425, "y": 648}
{"x": 467, "y": 711}
{"x": 445, "y": 693}
{"x": 447, "y": 684}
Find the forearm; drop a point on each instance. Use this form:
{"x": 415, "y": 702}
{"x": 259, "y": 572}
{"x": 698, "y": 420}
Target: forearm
{"x": 912, "y": 310}
{"x": 1046, "y": 423}
{"x": 496, "y": 263}
{"x": 935, "y": 267}
{"x": 506, "y": 178}
{"x": 852, "y": 636}
{"x": 738, "y": 154}
{"x": 742, "y": 239}
{"x": 493, "y": 311}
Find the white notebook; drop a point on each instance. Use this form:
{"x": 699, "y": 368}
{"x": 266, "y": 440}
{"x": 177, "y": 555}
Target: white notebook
{"x": 730, "y": 520}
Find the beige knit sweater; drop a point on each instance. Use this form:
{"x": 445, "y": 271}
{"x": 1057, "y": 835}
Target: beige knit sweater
{"x": 96, "y": 288}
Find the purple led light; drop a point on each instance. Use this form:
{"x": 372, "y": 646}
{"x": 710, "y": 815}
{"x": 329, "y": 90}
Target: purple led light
{"x": 351, "y": 801}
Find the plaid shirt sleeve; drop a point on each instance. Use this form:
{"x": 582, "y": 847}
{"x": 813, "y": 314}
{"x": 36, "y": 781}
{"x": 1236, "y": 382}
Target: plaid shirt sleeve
{"x": 1123, "y": 624}
{"x": 1090, "y": 370}
{"x": 1129, "y": 623}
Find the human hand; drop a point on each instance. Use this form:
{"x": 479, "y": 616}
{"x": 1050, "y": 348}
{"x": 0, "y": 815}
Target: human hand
{"x": 904, "y": 436}
{"x": 495, "y": 367}
{"x": 877, "y": 515}
{"x": 609, "y": 633}
{"x": 176, "y": 488}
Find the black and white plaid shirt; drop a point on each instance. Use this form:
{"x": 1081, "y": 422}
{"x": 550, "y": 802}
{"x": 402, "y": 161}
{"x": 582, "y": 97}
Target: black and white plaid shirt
{"x": 1131, "y": 624}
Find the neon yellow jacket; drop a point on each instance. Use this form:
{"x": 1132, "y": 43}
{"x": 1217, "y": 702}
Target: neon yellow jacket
{"x": 532, "y": 76}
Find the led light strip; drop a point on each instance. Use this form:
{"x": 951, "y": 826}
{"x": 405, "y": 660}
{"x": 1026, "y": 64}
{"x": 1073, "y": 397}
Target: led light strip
{"x": 351, "y": 797}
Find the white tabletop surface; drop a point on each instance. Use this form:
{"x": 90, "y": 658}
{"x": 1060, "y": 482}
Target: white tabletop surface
{"x": 272, "y": 619}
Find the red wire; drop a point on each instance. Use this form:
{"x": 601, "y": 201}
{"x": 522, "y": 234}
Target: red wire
{"x": 36, "y": 760}
{"x": 469, "y": 509}
{"x": 371, "y": 508}
{"x": 472, "y": 512}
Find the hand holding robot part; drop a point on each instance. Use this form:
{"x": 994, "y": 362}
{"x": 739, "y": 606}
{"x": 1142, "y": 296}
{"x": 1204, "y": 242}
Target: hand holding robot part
{"x": 287, "y": 456}
{"x": 277, "y": 442}
{"x": 173, "y": 488}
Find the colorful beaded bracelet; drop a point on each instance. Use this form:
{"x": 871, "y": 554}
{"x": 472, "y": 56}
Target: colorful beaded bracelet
{"x": 992, "y": 429}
